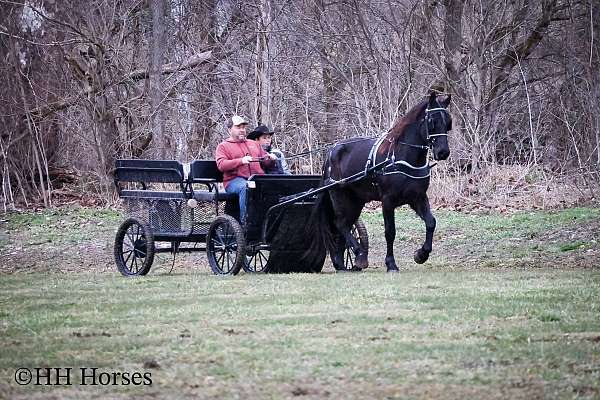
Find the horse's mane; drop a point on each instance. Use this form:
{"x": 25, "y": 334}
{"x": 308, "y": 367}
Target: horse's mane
{"x": 403, "y": 123}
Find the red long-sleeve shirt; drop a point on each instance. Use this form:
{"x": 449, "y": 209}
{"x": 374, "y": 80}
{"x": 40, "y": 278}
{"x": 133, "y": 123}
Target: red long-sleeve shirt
{"x": 229, "y": 159}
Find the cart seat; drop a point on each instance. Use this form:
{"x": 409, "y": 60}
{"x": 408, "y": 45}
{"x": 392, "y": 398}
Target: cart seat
{"x": 206, "y": 172}
{"x": 149, "y": 171}
{"x": 202, "y": 171}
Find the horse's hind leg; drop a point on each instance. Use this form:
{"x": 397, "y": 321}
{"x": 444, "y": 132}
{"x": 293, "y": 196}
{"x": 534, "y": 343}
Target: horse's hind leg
{"x": 347, "y": 210}
{"x": 337, "y": 252}
{"x": 423, "y": 210}
{"x": 390, "y": 235}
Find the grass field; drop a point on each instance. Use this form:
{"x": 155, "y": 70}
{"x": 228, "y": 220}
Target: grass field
{"x": 507, "y": 307}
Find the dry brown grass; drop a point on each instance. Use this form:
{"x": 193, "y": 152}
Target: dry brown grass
{"x": 516, "y": 187}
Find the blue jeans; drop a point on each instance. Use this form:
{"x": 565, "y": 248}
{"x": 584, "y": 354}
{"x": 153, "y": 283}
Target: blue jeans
{"x": 238, "y": 185}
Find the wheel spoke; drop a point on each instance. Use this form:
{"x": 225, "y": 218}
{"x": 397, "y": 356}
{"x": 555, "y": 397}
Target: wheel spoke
{"x": 130, "y": 235}
{"x": 258, "y": 260}
{"x": 220, "y": 260}
{"x": 225, "y": 240}
{"x": 127, "y": 261}
{"x": 222, "y": 235}
{"x": 263, "y": 257}
{"x": 227, "y": 256}
{"x": 349, "y": 259}
{"x": 263, "y": 260}
{"x": 228, "y": 229}
{"x": 232, "y": 258}
{"x": 141, "y": 253}
{"x": 217, "y": 243}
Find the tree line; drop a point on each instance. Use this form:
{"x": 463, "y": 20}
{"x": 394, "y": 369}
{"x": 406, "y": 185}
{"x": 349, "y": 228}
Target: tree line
{"x": 86, "y": 82}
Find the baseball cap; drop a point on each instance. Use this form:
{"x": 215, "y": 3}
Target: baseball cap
{"x": 236, "y": 120}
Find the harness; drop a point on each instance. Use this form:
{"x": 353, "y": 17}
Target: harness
{"x": 392, "y": 166}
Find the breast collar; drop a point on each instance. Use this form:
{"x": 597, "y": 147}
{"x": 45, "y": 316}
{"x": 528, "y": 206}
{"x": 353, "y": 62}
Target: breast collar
{"x": 391, "y": 166}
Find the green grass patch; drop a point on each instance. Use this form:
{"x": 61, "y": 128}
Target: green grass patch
{"x": 506, "y": 307}
{"x": 325, "y": 333}
{"x": 572, "y": 246}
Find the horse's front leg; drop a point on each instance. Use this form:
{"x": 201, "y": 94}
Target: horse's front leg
{"x": 390, "y": 235}
{"x": 423, "y": 210}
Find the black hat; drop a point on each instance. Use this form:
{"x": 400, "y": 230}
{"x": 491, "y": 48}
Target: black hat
{"x": 259, "y": 131}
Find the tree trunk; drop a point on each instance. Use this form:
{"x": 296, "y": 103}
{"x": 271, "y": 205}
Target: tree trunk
{"x": 157, "y": 53}
{"x": 261, "y": 76}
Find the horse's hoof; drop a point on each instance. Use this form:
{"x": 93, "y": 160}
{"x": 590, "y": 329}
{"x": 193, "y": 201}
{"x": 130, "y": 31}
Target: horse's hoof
{"x": 361, "y": 263}
{"x": 421, "y": 256}
{"x": 393, "y": 270}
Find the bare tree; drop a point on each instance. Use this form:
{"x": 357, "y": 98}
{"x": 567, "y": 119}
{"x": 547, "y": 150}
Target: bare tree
{"x": 91, "y": 82}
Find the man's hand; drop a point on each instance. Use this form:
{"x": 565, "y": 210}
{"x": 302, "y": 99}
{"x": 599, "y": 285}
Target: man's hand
{"x": 246, "y": 160}
{"x": 272, "y": 156}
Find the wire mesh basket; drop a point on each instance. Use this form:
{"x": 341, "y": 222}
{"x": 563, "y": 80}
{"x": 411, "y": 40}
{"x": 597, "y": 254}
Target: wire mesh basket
{"x": 173, "y": 216}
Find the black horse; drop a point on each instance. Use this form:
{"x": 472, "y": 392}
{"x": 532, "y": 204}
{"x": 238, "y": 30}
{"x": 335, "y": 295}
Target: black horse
{"x": 393, "y": 169}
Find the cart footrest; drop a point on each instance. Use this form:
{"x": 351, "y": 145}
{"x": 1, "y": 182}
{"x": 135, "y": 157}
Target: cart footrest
{"x": 205, "y": 195}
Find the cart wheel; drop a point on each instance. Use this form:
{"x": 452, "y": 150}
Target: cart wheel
{"x": 359, "y": 232}
{"x": 134, "y": 248}
{"x": 257, "y": 261}
{"x": 225, "y": 246}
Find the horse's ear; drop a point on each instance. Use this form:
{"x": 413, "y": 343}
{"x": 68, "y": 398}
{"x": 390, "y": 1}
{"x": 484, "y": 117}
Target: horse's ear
{"x": 432, "y": 99}
{"x": 446, "y": 102}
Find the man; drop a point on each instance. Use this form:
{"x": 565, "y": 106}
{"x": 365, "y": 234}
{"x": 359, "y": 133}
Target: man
{"x": 238, "y": 159}
{"x": 263, "y": 135}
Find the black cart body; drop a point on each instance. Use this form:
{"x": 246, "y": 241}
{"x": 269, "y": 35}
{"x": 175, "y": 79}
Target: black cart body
{"x": 171, "y": 208}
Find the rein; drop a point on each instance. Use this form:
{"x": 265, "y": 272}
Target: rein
{"x": 305, "y": 153}
{"x": 323, "y": 148}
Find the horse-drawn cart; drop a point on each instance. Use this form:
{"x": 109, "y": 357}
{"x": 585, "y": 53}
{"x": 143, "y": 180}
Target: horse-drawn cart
{"x": 184, "y": 209}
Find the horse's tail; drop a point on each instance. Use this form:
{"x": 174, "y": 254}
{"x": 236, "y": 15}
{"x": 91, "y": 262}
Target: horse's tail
{"x": 320, "y": 227}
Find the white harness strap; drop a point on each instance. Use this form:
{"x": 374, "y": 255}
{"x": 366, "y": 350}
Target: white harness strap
{"x": 437, "y": 109}
{"x": 372, "y": 159}
{"x": 426, "y": 168}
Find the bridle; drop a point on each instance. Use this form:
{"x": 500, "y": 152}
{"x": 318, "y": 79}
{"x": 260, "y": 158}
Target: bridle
{"x": 431, "y": 135}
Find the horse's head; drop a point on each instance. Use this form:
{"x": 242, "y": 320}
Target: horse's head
{"x": 437, "y": 123}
